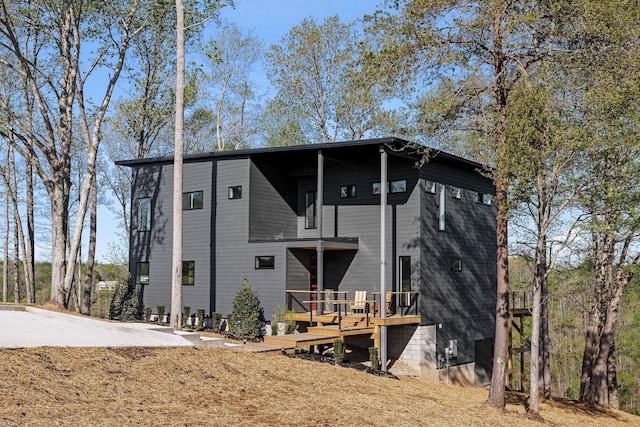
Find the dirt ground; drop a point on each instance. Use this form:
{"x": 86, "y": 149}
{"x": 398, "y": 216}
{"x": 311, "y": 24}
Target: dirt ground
{"x": 221, "y": 387}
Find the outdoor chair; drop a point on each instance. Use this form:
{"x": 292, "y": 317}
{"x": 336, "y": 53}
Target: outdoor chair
{"x": 359, "y": 302}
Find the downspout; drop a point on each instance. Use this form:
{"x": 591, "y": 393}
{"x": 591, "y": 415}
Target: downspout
{"x": 319, "y": 245}
{"x": 383, "y": 266}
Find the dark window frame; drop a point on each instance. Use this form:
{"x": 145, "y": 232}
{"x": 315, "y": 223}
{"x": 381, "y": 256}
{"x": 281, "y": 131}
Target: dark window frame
{"x": 139, "y": 270}
{"x": 310, "y": 210}
{"x": 348, "y": 191}
{"x": 430, "y": 186}
{"x": 188, "y": 267}
{"x": 398, "y": 186}
{"x": 235, "y": 192}
{"x": 456, "y": 264}
{"x": 190, "y": 200}
{"x": 147, "y": 218}
{"x": 265, "y": 262}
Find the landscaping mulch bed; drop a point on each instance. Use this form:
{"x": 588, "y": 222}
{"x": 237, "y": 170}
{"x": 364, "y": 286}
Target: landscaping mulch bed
{"x": 345, "y": 364}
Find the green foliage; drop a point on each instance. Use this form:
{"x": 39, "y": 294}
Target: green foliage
{"x": 247, "y": 315}
{"x": 200, "y": 316}
{"x": 124, "y": 304}
{"x": 147, "y": 314}
{"x": 338, "y": 350}
{"x": 216, "y": 319}
{"x": 373, "y": 358}
{"x": 160, "y": 309}
{"x": 283, "y": 315}
{"x": 186, "y": 311}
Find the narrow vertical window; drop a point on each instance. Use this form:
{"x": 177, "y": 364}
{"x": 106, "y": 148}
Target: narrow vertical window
{"x": 441, "y": 214}
{"x": 456, "y": 264}
{"x": 142, "y": 273}
{"x": 405, "y": 281}
{"x": 188, "y": 273}
{"x": 310, "y": 209}
{"x": 144, "y": 214}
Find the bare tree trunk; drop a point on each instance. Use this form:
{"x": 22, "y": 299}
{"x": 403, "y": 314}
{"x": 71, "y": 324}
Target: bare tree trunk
{"x": 545, "y": 361}
{"x": 176, "y": 280}
{"x": 534, "y": 388}
{"x": 5, "y": 264}
{"x": 88, "y": 280}
{"x": 612, "y": 378}
{"x": 16, "y": 261}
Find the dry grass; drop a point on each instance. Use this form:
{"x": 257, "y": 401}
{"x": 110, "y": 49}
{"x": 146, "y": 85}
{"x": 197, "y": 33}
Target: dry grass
{"x": 207, "y": 386}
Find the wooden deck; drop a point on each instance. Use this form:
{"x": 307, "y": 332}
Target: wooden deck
{"x": 327, "y": 329}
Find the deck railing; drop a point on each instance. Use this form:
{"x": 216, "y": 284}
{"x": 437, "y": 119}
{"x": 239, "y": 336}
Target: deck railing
{"x": 521, "y": 300}
{"x": 303, "y": 301}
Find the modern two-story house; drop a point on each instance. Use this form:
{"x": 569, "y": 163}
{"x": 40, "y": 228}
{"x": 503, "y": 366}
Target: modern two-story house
{"x": 309, "y": 218}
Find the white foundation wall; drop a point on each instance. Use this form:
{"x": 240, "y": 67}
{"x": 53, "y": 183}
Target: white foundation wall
{"x": 415, "y": 347}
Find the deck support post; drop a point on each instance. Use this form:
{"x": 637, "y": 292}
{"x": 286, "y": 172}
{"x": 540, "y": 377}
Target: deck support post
{"x": 383, "y": 266}
{"x": 319, "y": 247}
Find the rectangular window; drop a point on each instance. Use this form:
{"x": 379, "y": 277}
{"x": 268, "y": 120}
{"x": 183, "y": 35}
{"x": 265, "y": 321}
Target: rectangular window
{"x": 144, "y": 214}
{"x": 265, "y": 262}
{"x": 456, "y": 193}
{"x": 484, "y": 198}
{"x": 235, "y": 192}
{"x": 430, "y": 187}
{"x": 405, "y": 280}
{"x": 399, "y": 186}
{"x": 142, "y": 273}
{"x": 375, "y": 188}
{"x": 192, "y": 200}
{"x": 188, "y": 273}
{"x": 348, "y": 192}
{"x": 441, "y": 212}
{"x": 310, "y": 209}
{"x": 456, "y": 264}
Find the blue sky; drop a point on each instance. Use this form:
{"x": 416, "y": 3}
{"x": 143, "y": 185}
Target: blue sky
{"x": 269, "y": 20}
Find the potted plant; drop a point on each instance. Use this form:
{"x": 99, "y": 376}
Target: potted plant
{"x": 283, "y": 321}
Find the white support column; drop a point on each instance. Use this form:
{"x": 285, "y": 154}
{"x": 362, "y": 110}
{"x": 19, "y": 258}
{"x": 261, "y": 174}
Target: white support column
{"x": 383, "y": 264}
{"x": 319, "y": 219}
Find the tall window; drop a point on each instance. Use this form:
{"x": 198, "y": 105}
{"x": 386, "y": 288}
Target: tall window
{"x": 456, "y": 193}
{"x": 405, "y": 280}
{"x": 430, "y": 187}
{"x": 192, "y": 200}
{"x": 188, "y": 273}
{"x": 456, "y": 264}
{"x": 310, "y": 209}
{"x": 144, "y": 214}
{"x": 441, "y": 213}
{"x": 142, "y": 273}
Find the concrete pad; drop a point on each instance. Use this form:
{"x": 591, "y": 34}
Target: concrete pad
{"x": 35, "y": 327}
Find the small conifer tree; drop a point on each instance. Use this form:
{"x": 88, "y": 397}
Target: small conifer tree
{"x": 124, "y": 304}
{"x": 246, "y": 314}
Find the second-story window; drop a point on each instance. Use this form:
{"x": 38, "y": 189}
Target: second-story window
{"x": 144, "y": 214}
{"x": 192, "y": 200}
{"x": 310, "y": 209}
{"x": 235, "y": 192}
{"x": 348, "y": 192}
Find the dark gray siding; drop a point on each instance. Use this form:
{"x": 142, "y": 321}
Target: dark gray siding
{"x": 360, "y": 217}
{"x": 154, "y": 246}
{"x": 234, "y": 255}
{"x": 463, "y": 302}
{"x": 272, "y": 199}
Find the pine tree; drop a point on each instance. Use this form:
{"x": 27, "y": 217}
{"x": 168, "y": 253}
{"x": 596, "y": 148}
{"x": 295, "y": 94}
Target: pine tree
{"x": 246, "y": 315}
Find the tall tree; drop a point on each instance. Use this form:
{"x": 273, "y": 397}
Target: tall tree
{"x": 176, "y": 263}
{"x": 41, "y": 43}
{"x": 232, "y": 55}
{"x": 317, "y": 71}
{"x": 478, "y": 51}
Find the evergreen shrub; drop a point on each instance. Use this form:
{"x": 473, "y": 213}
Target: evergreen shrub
{"x": 246, "y": 316}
